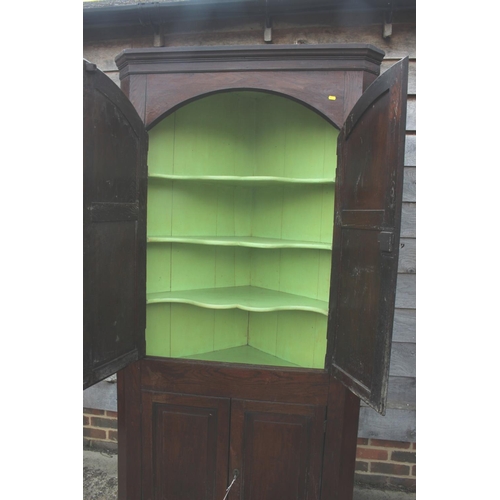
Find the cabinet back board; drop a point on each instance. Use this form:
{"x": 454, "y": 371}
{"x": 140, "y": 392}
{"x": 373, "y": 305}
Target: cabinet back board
{"x": 240, "y": 222}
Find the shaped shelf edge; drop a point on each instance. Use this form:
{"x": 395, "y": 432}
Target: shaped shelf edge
{"x": 247, "y": 298}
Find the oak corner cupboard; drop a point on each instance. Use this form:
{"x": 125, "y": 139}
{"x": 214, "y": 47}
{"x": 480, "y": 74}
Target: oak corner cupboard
{"x": 240, "y": 262}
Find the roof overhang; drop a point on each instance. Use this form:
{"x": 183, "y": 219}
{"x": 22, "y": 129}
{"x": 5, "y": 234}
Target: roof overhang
{"x": 106, "y": 13}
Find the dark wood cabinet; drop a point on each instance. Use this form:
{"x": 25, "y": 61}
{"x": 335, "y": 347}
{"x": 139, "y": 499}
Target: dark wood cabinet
{"x": 194, "y": 445}
{"x": 273, "y": 215}
{"x": 186, "y": 427}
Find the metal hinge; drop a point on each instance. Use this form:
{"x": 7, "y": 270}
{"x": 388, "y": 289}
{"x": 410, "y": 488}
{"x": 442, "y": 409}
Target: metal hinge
{"x": 386, "y": 241}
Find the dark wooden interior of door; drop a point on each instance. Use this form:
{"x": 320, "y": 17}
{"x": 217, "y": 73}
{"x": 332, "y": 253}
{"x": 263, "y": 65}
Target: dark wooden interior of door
{"x": 114, "y": 228}
{"x": 368, "y": 200}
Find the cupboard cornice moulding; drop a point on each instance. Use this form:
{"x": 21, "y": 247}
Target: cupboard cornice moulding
{"x": 321, "y": 57}
{"x": 327, "y": 78}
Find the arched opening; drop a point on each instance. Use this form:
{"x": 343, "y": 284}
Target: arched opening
{"x": 240, "y": 223}
{"x": 250, "y": 93}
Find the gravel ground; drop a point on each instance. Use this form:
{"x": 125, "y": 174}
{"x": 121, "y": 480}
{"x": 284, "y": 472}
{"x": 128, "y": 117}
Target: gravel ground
{"x": 100, "y": 480}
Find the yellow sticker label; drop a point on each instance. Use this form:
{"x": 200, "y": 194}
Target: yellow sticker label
{"x": 332, "y": 97}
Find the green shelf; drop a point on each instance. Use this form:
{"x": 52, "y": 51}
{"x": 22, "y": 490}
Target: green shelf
{"x": 240, "y": 227}
{"x": 241, "y": 180}
{"x": 247, "y": 298}
{"x": 243, "y": 354}
{"x": 241, "y": 241}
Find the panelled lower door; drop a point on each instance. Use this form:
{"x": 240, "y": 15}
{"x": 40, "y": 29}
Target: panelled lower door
{"x": 276, "y": 450}
{"x": 185, "y": 446}
{"x": 366, "y": 236}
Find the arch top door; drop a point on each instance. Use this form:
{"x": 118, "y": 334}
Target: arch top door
{"x": 115, "y": 146}
{"x": 369, "y": 186}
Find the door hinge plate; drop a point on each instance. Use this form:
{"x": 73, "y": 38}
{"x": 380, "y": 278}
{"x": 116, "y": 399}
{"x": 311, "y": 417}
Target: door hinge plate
{"x": 386, "y": 241}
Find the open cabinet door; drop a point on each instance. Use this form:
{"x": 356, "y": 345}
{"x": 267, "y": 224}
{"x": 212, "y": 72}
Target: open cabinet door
{"x": 114, "y": 228}
{"x": 369, "y": 188}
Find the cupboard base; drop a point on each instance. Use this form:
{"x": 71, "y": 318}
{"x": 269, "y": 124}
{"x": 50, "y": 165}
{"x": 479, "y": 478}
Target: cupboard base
{"x": 185, "y": 426}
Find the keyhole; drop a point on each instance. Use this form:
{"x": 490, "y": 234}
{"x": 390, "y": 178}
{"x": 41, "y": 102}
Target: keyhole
{"x": 236, "y": 473}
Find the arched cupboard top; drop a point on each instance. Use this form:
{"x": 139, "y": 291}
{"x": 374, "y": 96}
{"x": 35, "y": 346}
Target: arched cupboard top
{"x": 339, "y": 82}
{"x": 327, "y": 78}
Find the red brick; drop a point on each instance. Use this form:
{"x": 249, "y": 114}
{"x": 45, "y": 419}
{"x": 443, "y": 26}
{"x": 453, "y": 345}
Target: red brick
{"x": 391, "y": 469}
{"x": 361, "y": 466}
{"x": 390, "y": 444}
{"x": 93, "y": 411}
{"x": 106, "y": 423}
{"x": 414, "y": 471}
{"x": 94, "y": 433}
{"x": 112, "y": 414}
{"x": 362, "y": 441}
{"x": 86, "y": 420}
{"x": 404, "y": 456}
{"x": 113, "y": 435}
{"x": 372, "y": 454}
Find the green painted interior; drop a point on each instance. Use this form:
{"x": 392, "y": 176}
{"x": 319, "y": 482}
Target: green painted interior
{"x": 243, "y": 354}
{"x": 240, "y": 221}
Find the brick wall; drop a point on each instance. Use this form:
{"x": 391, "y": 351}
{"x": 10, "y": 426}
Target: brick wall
{"x": 100, "y": 429}
{"x": 386, "y": 464}
{"x": 379, "y": 464}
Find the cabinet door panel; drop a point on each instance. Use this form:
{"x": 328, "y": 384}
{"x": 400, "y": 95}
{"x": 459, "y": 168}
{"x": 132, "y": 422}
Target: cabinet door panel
{"x": 277, "y": 449}
{"x": 184, "y": 447}
{"x": 367, "y": 227}
{"x": 114, "y": 228}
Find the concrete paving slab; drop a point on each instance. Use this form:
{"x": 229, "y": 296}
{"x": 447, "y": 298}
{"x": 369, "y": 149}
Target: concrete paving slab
{"x": 368, "y": 494}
